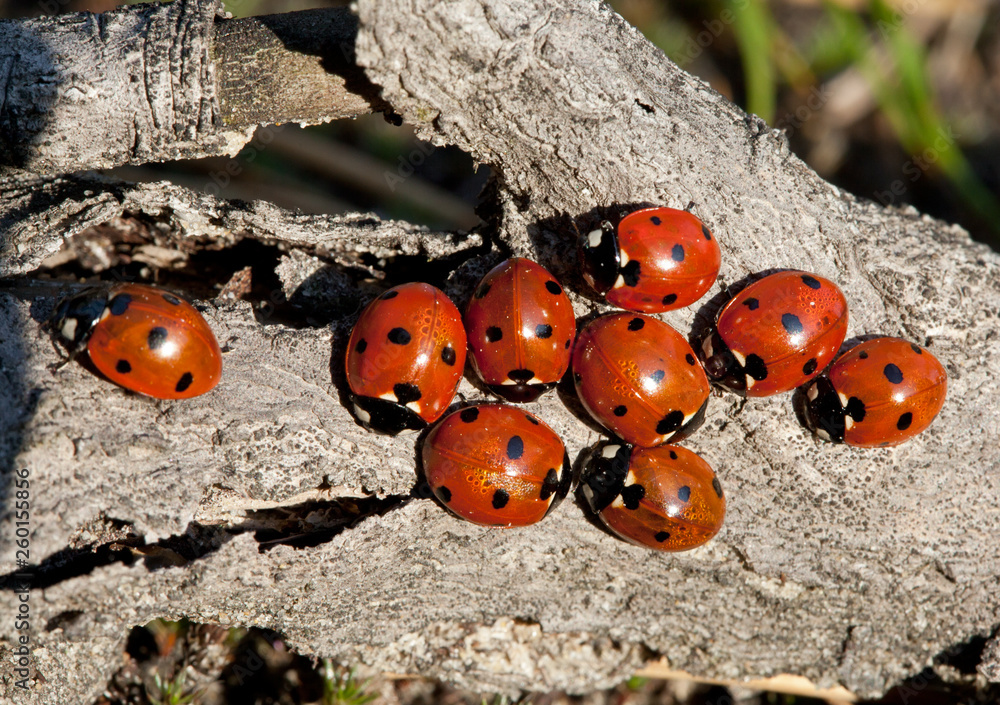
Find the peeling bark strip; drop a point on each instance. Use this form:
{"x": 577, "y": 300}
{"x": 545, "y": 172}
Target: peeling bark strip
{"x": 139, "y": 84}
{"x": 843, "y": 565}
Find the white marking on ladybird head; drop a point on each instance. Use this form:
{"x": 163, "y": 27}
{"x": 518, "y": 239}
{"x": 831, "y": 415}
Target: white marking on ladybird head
{"x": 407, "y": 432}
{"x": 362, "y": 415}
{"x": 414, "y": 405}
{"x": 813, "y": 392}
{"x": 105, "y": 313}
{"x": 740, "y": 358}
{"x": 706, "y": 346}
{"x": 388, "y": 396}
{"x": 68, "y": 330}
{"x": 623, "y": 255}
{"x": 508, "y": 382}
{"x": 619, "y": 282}
{"x": 630, "y": 479}
{"x": 618, "y": 502}
{"x": 822, "y": 434}
{"x": 588, "y": 493}
{"x": 848, "y": 423}
{"x": 750, "y": 382}
{"x": 843, "y": 399}
{"x": 594, "y": 237}
{"x": 610, "y": 451}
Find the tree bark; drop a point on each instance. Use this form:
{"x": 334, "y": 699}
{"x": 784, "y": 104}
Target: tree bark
{"x": 854, "y": 568}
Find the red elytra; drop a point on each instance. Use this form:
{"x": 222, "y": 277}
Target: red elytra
{"x": 496, "y": 465}
{"x": 143, "y": 338}
{"x": 521, "y": 327}
{"x": 667, "y": 498}
{"x": 880, "y": 393}
{"x": 654, "y": 260}
{"x": 405, "y": 358}
{"x": 639, "y": 378}
{"x": 776, "y": 334}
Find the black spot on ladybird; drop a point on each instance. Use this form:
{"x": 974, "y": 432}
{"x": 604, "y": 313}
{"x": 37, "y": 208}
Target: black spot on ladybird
{"x": 810, "y": 366}
{"x": 855, "y": 409}
{"x": 684, "y": 493}
{"x": 448, "y": 356}
{"x": 184, "y": 382}
{"x": 636, "y": 324}
{"x": 361, "y": 346}
{"x": 791, "y": 323}
{"x": 893, "y": 373}
{"x": 568, "y": 343}
{"x": 543, "y": 330}
{"x": 673, "y": 455}
{"x": 677, "y": 253}
{"x": 811, "y": 282}
{"x": 156, "y": 337}
{"x": 755, "y": 367}
{"x": 689, "y": 358}
{"x": 515, "y": 447}
{"x": 717, "y": 487}
{"x": 904, "y": 421}
{"x": 521, "y": 376}
{"x": 630, "y": 273}
{"x": 389, "y": 295}
{"x": 482, "y": 291}
{"x": 706, "y": 233}
{"x": 670, "y": 423}
{"x": 406, "y": 392}
{"x": 493, "y": 334}
{"x": 553, "y": 287}
{"x": 669, "y": 299}
{"x": 661, "y": 536}
{"x": 399, "y": 336}
{"x": 916, "y": 348}
{"x": 171, "y": 299}
{"x": 632, "y": 495}
{"x": 469, "y": 415}
{"x": 531, "y": 419}
{"x": 123, "y": 367}
{"x": 863, "y": 354}
{"x": 658, "y": 376}
{"x": 752, "y": 303}
{"x": 443, "y": 493}
{"x": 119, "y": 304}
{"x": 620, "y": 410}
{"x": 655, "y": 220}
{"x": 500, "y": 499}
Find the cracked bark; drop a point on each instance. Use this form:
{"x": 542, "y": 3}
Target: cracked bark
{"x": 846, "y": 566}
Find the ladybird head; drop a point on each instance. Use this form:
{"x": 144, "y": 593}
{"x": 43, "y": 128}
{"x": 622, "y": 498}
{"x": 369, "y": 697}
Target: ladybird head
{"x": 604, "y": 473}
{"x": 388, "y": 417}
{"x": 75, "y": 317}
{"x": 824, "y": 412}
{"x": 721, "y": 365}
{"x": 600, "y": 257}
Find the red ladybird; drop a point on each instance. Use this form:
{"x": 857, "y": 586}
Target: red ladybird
{"x": 657, "y": 259}
{"x": 880, "y": 393}
{"x": 639, "y": 378}
{"x": 521, "y": 328}
{"x": 141, "y": 337}
{"x": 496, "y": 465}
{"x": 776, "y": 334}
{"x": 666, "y": 498}
{"x": 405, "y": 358}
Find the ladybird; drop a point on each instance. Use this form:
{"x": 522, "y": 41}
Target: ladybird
{"x": 667, "y": 498}
{"x": 521, "y": 327}
{"x": 880, "y": 393}
{"x": 141, "y": 337}
{"x": 656, "y": 259}
{"x": 496, "y": 465}
{"x": 405, "y": 358}
{"x": 776, "y": 334}
{"x": 639, "y": 378}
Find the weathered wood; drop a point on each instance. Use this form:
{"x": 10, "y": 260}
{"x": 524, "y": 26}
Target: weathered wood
{"x": 149, "y": 83}
{"x": 846, "y": 566}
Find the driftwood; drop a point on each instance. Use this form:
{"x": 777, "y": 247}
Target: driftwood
{"x": 854, "y": 568}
